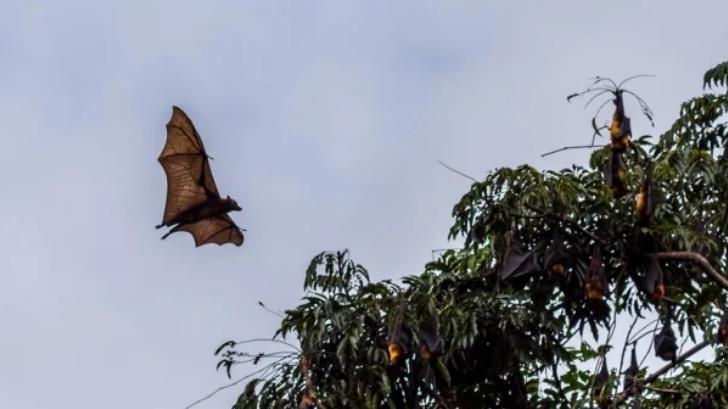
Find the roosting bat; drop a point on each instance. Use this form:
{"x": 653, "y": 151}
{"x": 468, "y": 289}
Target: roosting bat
{"x": 722, "y": 335}
{"x": 615, "y": 173}
{"x": 556, "y": 257}
{"x": 517, "y": 262}
{"x": 595, "y": 282}
{"x": 398, "y": 343}
{"x": 630, "y": 375}
{"x": 432, "y": 345}
{"x": 645, "y": 203}
{"x": 655, "y": 282}
{"x": 665, "y": 343}
{"x": 600, "y": 389}
{"x": 193, "y": 202}
{"x": 620, "y": 130}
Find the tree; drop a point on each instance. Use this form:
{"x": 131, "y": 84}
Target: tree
{"x": 499, "y": 323}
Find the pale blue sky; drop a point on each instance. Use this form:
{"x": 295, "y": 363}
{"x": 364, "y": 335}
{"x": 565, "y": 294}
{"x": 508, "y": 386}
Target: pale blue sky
{"x": 325, "y": 118}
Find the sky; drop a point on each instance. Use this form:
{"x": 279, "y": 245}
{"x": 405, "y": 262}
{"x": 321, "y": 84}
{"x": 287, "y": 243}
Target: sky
{"x": 326, "y": 120}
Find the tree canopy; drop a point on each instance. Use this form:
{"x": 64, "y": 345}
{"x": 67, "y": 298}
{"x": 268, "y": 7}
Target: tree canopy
{"x": 548, "y": 259}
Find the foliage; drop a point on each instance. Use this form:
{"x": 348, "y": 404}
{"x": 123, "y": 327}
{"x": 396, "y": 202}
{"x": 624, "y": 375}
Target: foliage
{"x": 545, "y": 256}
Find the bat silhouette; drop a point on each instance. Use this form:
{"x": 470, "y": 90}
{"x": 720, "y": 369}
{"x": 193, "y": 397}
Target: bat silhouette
{"x": 645, "y": 203}
{"x": 432, "y": 345}
{"x": 600, "y": 388}
{"x": 665, "y": 343}
{"x": 630, "y": 375}
{"x": 518, "y": 262}
{"x": 193, "y": 203}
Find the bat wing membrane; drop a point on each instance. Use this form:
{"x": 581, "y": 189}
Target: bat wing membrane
{"x": 216, "y": 229}
{"x": 185, "y": 162}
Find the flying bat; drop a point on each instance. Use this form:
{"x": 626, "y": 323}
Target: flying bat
{"x": 193, "y": 203}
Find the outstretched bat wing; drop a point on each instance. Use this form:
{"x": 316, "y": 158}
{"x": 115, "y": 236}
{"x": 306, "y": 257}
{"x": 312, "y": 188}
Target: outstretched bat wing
{"x": 185, "y": 162}
{"x": 215, "y": 229}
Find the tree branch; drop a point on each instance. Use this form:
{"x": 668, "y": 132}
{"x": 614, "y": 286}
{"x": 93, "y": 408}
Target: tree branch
{"x": 570, "y": 147}
{"x": 230, "y": 385}
{"x": 621, "y": 397}
{"x": 695, "y": 258}
{"x": 564, "y": 219}
{"x": 457, "y": 171}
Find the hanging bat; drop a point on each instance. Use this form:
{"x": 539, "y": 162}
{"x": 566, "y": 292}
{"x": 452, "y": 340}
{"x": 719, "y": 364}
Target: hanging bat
{"x": 704, "y": 401}
{"x": 193, "y": 202}
{"x": 308, "y": 399}
{"x": 398, "y": 343}
{"x": 620, "y": 131}
{"x": 655, "y": 282}
{"x": 616, "y": 174}
{"x": 595, "y": 282}
{"x": 630, "y": 375}
{"x": 665, "y": 343}
{"x": 432, "y": 346}
{"x": 722, "y": 335}
{"x": 518, "y": 262}
{"x": 556, "y": 258}
{"x": 645, "y": 203}
{"x": 600, "y": 388}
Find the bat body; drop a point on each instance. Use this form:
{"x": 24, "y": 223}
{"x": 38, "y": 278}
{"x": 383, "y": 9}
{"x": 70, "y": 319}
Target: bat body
{"x": 645, "y": 203}
{"x": 517, "y": 262}
{"x": 722, "y": 334}
{"x": 616, "y": 174}
{"x": 665, "y": 343}
{"x": 556, "y": 258}
{"x": 630, "y": 375}
{"x": 655, "y": 282}
{"x": 595, "y": 283}
{"x": 620, "y": 130}
{"x": 398, "y": 343}
{"x": 193, "y": 202}
{"x": 600, "y": 388}
{"x": 432, "y": 345}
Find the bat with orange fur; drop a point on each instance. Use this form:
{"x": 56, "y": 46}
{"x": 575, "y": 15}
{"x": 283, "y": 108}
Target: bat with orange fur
{"x": 193, "y": 202}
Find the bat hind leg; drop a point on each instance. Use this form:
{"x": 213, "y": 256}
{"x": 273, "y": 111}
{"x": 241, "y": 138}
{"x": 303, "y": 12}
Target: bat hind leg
{"x": 159, "y": 226}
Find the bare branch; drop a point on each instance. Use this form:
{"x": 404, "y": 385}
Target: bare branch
{"x": 265, "y": 307}
{"x": 570, "y": 147}
{"x": 230, "y": 385}
{"x": 457, "y": 171}
{"x": 695, "y": 258}
{"x": 277, "y": 341}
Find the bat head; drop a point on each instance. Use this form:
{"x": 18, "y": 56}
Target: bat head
{"x": 655, "y": 282}
{"x": 233, "y": 204}
{"x": 555, "y": 259}
{"x": 307, "y": 401}
{"x": 398, "y": 344}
